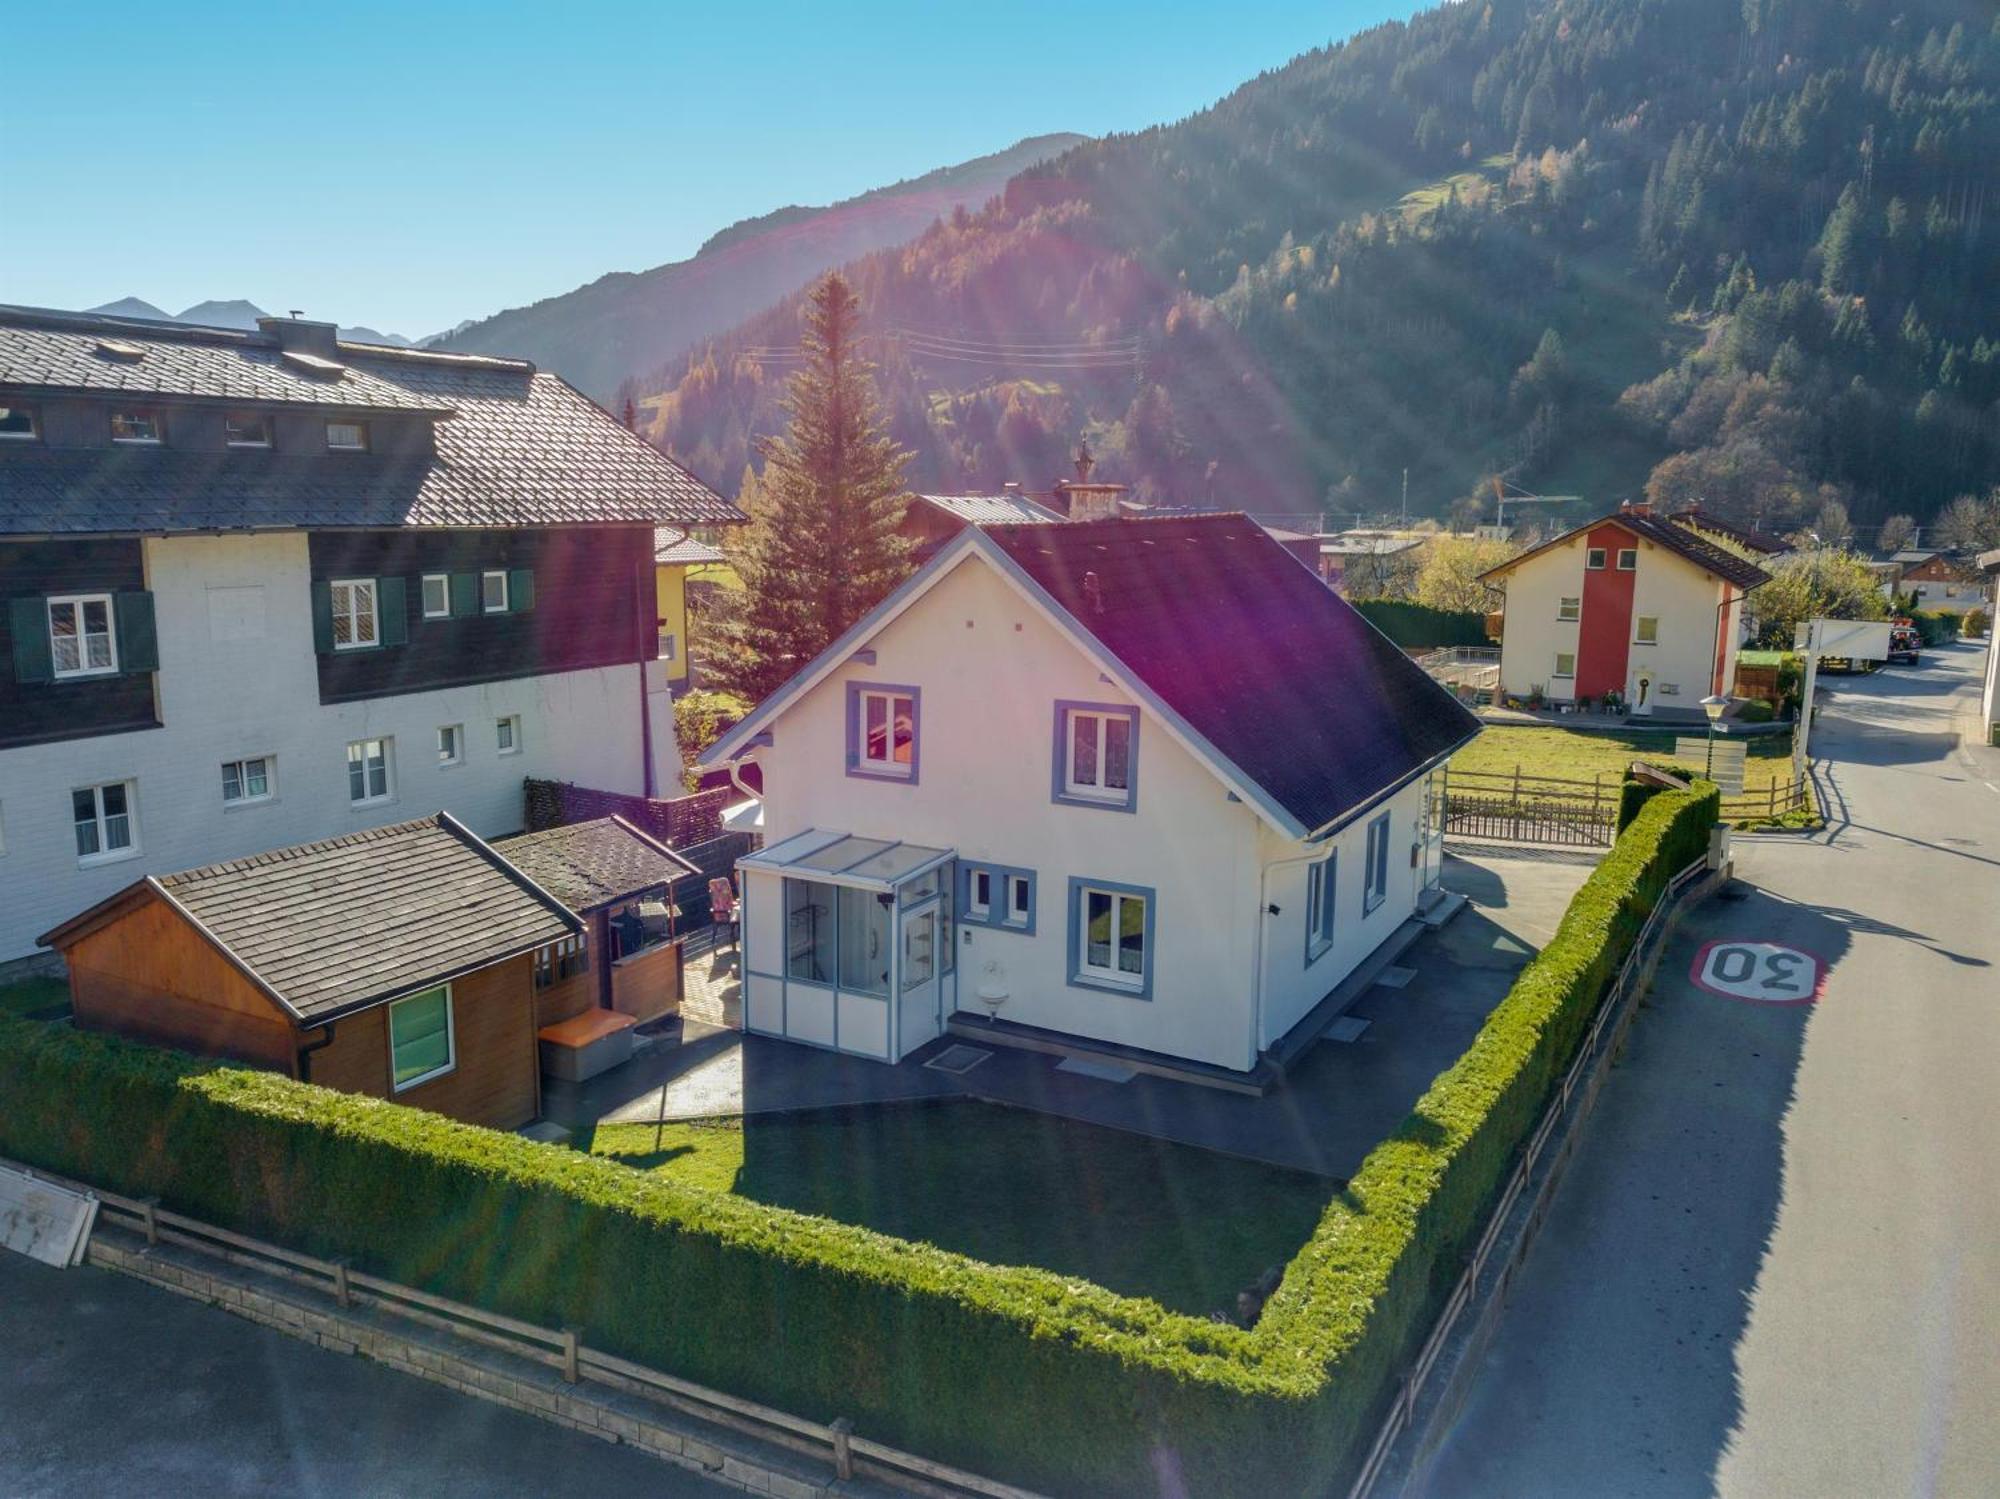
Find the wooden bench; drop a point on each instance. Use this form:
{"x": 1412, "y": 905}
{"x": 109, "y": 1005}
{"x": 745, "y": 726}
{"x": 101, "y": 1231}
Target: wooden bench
{"x": 584, "y": 1045}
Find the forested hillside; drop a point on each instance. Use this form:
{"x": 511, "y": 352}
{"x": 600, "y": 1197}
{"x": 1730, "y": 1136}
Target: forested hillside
{"x": 1742, "y": 249}
{"x": 604, "y": 333}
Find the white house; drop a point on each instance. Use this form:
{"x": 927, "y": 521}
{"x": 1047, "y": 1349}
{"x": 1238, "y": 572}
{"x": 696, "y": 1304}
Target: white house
{"x": 1644, "y": 605}
{"x": 261, "y": 589}
{"x": 1144, "y": 785}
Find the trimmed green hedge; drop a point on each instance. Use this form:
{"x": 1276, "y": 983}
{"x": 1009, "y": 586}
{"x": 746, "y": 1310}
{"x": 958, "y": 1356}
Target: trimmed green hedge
{"x": 1420, "y": 627}
{"x": 1936, "y": 626}
{"x": 1016, "y": 1372}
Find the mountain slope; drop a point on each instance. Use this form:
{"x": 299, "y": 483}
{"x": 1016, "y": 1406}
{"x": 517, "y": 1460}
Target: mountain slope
{"x": 133, "y": 307}
{"x": 1687, "y": 247}
{"x": 627, "y": 323}
{"x": 235, "y": 313}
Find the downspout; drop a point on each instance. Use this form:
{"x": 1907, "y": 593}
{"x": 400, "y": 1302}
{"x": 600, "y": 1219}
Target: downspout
{"x": 306, "y": 1052}
{"x": 737, "y": 781}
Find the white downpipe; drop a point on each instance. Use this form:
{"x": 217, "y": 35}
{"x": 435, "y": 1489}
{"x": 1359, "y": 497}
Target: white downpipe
{"x": 736, "y": 780}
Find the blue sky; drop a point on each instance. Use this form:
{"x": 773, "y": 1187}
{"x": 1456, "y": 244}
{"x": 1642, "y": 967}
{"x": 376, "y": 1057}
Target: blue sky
{"x": 409, "y": 165}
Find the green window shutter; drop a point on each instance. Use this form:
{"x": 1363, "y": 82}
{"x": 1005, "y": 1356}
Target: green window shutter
{"x": 464, "y": 595}
{"x": 520, "y": 590}
{"x": 392, "y": 603}
{"x": 138, "y": 641}
{"x": 323, "y": 618}
{"x": 28, "y": 620}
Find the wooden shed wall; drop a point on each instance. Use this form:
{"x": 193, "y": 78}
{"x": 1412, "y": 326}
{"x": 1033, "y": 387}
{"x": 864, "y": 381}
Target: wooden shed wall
{"x": 150, "y": 974}
{"x": 496, "y": 1078}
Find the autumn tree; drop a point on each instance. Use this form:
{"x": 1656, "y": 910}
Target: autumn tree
{"x": 1969, "y": 523}
{"x": 1822, "y": 583}
{"x": 1896, "y": 533}
{"x": 1449, "y": 576}
{"x": 822, "y": 545}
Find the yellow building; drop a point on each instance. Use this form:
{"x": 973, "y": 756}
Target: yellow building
{"x": 679, "y": 561}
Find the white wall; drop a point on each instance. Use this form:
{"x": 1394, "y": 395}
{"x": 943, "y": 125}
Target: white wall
{"x": 238, "y": 678}
{"x": 1684, "y": 599}
{"x": 1292, "y": 984}
{"x": 1531, "y": 635}
{"x": 991, "y": 670}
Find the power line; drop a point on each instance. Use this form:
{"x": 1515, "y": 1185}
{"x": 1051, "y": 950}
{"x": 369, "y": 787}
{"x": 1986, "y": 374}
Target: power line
{"x": 1063, "y": 346}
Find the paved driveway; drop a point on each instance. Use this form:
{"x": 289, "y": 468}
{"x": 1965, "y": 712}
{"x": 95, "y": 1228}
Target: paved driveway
{"x": 1775, "y": 1268}
{"x": 113, "y": 1387}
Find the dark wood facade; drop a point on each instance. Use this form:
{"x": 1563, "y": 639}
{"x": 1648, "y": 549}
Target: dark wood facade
{"x": 38, "y": 712}
{"x": 593, "y": 606}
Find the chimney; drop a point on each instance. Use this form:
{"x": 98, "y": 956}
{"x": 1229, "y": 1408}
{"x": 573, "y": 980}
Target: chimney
{"x": 297, "y": 335}
{"x": 1637, "y": 507}
{"x": 1012, "y": 486}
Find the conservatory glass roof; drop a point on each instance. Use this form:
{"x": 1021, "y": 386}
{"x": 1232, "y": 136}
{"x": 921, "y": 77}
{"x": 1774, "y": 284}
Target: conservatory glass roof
{"x": 844, "y": 859}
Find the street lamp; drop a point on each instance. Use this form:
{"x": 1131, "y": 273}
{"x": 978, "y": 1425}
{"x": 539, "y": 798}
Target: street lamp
{"x": 1713, "y": 705}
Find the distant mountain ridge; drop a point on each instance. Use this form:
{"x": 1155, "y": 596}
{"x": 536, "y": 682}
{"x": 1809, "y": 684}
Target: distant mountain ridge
{"x": 235, "y": 313}
{"x": 626, "y": 324}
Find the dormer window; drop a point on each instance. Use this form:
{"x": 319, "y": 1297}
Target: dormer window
{"x": 246, "y": 429}
{"x": 347, "y": 437}
{"x": 17, "y": 424}
{"x": 143, "y": 427}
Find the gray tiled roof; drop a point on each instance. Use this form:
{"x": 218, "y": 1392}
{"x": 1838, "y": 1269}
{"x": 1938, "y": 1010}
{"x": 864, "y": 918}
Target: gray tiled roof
{"x": 586, "y": 864}
{"x": 994, "y": 509}
{"x": 334, "y": 926}
{"x": 518, "y": 448}
{"x": 673, "y": 545}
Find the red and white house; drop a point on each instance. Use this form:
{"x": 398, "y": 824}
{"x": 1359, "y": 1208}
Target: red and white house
{"x": 1635, "y": 603}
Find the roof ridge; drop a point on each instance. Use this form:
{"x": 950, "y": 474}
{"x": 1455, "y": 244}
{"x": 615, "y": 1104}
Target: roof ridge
{"x": 292, "y": 851}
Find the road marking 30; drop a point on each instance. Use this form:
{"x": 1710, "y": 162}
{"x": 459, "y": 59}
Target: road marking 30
{"x": 1765, "y": 973}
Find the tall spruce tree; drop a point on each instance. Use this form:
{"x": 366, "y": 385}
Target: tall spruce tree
{"x": 822, "y": 546}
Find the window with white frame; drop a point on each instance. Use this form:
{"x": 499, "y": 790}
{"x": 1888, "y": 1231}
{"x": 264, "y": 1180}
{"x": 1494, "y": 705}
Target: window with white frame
{"x": 1565, "y": 664}
{"x": 247, "y": 780}
{"x": 17, "y": 423}
{"x": 978, "y": 894}
{"x": 1628, "y": 559}
{"x": 142, "y": 427}
{"x": 1647, "y": 629}
{"x": 347, "y": 437}
{"x": 1319, "y": 907}
{"x": 104, "y": 822}
{"x": 885, "y": 731}
{"x": 1098, "y": 749}
{"x": 507, "y": 734}
{"x": 246, "y": 429}
{"x": 1113, "y": 931}
{"x": 437, "y": 595}
{"x": 356, "y": 624}
{"x": 451, "y": 744}
{"x": 669, "y": 645}
{"x": 82, "y": 639}
{"x": 1377, "y": 870}
{"x": 1020, "y": 909}
{"x": 420, "y": 1039}
{"x": 1593, "y": 559}
{"x": 370, "y": 773}
{"x": 493, "y": 591}
{"x": 999, "y": 896}
{"x": 1569, "y": 609}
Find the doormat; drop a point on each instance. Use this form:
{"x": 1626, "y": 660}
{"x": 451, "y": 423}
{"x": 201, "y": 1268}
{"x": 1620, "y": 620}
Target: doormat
{"x": 1396, "y": 978}
{"x": 1104, "y": 1072}
{"x": 958, "y": 1060}
{"x": 1347, "y": 1028}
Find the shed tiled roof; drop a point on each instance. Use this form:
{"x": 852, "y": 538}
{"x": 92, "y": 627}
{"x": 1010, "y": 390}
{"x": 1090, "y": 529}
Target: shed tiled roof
{"x": 1288, "y": 683}
{"x": 514, "y": 446}
{"x": 338, "y": 925}
{"x": 994, "y": 509}
{"x": 673, "y": 545}
{"x": 586, "y": 864}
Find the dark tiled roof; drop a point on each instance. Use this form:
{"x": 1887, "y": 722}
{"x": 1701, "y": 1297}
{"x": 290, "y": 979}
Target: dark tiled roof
{"x": 586, "y": 864}
{"x": 1676, "y": 538}
{"x": 1749, "y": 536}
{"x": 1293, "y": 687}
{"x": 517, "y": 448}
{"x": 333, "y": 926}
{"x": 993, "y": 509}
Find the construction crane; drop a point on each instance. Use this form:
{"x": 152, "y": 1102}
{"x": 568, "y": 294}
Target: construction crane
{"x": 1502, "y": 498}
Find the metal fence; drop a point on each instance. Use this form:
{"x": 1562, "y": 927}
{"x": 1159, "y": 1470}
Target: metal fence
{"x": 1579, "y": 1090}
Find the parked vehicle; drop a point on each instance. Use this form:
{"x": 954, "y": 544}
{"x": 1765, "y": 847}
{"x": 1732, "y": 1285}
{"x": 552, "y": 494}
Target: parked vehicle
{"x": 1904, "y": 643}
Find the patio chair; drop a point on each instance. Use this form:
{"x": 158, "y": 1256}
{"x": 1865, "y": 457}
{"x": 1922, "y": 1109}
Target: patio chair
{"x": 722, "y": 908}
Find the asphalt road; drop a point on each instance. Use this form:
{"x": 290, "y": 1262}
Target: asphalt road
{"x": 1774, "y": 1269}
{"x": 111, "y": 1386}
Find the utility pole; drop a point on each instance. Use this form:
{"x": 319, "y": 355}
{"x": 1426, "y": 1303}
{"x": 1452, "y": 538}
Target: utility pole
{"x": 1406, "y": 496}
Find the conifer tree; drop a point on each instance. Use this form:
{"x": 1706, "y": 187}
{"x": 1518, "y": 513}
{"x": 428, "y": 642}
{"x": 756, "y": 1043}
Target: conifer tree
{"x": 822, "y": 546}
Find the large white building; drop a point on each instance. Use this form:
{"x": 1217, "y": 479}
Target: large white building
{"x": 1139, "y": 785}
{"x": 267, "y": 588}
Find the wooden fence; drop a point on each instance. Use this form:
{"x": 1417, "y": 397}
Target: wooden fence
{"x": 1569, "y": 813}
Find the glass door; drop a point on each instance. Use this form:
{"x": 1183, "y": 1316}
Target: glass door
{"x": 917, "y": 1013}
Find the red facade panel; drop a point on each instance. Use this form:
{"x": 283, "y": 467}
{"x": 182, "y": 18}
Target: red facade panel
{"x": 1604, "y": 633}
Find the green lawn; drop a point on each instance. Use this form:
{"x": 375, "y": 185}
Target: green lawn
{"x": 1185, "y": 1226}
{"x": 30, "y": 995}
{"x": 1578, "y": 754}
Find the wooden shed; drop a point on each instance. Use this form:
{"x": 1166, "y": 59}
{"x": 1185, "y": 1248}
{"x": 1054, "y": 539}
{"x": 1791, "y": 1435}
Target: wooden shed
{"x": 397, "y": 962}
